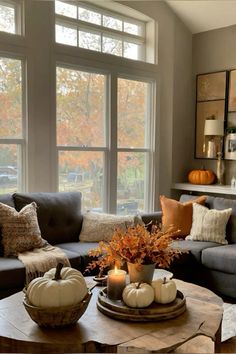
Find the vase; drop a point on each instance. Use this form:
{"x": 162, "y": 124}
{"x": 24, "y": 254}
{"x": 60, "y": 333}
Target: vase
{"x": 140, "y": 273}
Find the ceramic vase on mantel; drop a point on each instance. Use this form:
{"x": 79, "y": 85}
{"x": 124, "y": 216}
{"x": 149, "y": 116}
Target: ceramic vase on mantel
{"x": 142, "y": 274}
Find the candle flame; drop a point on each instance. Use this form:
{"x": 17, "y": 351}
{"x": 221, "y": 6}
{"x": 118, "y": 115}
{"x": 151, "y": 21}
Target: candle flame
{"x": 115, "y": 270}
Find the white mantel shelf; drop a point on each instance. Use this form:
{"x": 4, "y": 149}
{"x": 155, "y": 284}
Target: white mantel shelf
{"x": 213, "y": 188}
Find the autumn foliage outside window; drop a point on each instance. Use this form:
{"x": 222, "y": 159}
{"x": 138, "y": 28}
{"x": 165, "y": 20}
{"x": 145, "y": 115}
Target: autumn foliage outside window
{"x": 83, "y": 138}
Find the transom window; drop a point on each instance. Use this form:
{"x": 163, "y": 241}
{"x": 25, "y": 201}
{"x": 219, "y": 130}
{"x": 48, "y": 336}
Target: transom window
{"x": 94, "y": 28}
{"x": 10, "y": 16}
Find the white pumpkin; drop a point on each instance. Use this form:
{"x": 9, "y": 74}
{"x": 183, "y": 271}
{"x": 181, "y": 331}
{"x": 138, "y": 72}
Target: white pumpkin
{"x": 165, "y": 290}
{"x": 58, "y": 287}
{"x": 138, "y": 295}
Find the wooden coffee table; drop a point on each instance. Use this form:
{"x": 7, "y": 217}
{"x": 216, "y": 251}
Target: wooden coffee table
{"x": 96, "y": 332}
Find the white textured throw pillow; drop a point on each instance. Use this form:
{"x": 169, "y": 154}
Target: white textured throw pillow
{"x": 100, "y": 227}
{"x": 209, "y": 224}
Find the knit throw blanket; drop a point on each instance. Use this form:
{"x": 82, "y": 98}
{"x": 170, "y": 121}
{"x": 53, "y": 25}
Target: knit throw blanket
{"x": 40, "y": 260}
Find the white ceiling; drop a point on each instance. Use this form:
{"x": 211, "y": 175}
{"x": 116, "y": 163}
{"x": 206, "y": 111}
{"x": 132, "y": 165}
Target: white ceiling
{"x": 205, "y": 15}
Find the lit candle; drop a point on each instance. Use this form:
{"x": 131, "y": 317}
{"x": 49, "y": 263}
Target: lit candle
{"x": 116, "y": 283}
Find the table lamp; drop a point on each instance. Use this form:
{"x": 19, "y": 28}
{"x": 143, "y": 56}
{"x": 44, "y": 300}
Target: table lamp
{"x": 214, "y": 128}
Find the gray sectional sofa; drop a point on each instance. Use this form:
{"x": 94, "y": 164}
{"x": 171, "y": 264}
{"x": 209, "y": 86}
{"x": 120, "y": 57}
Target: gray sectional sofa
{"x": 210, "y": 264}
{"x": 60, "y": 220}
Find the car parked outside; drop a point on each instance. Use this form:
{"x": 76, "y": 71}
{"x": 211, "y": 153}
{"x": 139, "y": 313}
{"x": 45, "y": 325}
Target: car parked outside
{"x": 8, "y": 174}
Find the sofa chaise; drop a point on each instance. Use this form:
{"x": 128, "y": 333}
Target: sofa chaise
{"x": 60, "y": 220}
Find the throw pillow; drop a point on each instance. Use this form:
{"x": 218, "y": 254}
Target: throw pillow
{"x": 178, "y": 214}
{"x": 209, "y": 224}
{"x": 100, "y": 227}
{"x": 20, "y": 230}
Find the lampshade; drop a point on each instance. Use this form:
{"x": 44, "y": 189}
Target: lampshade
{"x": 214, "y": 127}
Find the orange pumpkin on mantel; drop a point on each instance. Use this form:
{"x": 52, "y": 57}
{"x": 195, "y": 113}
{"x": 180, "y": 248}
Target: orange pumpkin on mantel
{"x": 201, "y": 176}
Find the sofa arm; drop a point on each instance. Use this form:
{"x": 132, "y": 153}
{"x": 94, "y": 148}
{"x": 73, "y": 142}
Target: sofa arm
{"x": 155, "y": 218}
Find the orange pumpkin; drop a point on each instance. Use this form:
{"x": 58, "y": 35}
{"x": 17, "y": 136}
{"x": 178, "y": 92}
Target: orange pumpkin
{"x": 201, "y": 177}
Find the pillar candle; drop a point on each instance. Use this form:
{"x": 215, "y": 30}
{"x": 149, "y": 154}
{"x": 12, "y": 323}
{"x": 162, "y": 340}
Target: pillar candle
{"x": 116, "y": 283}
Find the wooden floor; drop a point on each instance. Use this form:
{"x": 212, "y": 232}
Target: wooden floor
{"x": 229, "y": 346}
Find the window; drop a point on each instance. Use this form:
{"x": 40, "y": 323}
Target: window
{"x": 10, "y": 16}
{"x": 134, "y": 144}
{"x": 11, "y": 124}
{"x": 81, "y": 133}
{"x": 86, "y": 146}
{"x": 94, "y": 28}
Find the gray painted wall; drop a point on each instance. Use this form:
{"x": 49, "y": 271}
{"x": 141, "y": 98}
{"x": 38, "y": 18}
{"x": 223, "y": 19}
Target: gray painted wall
{"x": 213, "y": 51}
{"x": 176, "y": 123}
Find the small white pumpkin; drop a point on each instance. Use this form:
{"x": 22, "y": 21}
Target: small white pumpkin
{"x": 165, "y": 290}
{"x": 58, "y": 287}
{"x": 138, "y": 295}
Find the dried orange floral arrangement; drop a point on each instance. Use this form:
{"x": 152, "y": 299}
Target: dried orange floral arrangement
{"x": 136, "y": 245}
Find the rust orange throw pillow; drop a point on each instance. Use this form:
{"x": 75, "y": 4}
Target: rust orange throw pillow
{"x": 178, "y": 214}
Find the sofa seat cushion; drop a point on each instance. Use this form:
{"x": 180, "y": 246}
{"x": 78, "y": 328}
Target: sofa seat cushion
{"x": 74, "y": 258}
{"x": 12, "y": 273}
{"x": 195, "y": 248}
{"x": 81, "y": 249}
{"x": 59, "y": 214}
{"x": 222, "y": 258}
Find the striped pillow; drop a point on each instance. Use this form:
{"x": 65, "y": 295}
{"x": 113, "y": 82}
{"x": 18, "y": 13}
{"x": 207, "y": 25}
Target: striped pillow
{"x": 20, "y": 230}
{"x": 209, "y": 224}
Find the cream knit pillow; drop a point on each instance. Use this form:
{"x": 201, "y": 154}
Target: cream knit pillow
{"x": 100, "y": 227}
{"x": 209, "y": 224}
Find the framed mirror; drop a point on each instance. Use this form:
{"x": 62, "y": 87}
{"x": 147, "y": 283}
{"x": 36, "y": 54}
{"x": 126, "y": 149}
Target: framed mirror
{"x": 210, "y": 105}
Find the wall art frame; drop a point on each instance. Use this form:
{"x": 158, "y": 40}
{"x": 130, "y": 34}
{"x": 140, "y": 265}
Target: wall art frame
{"x": 211, "y": 101}
{"x": 230, "y": 146}
{"x": 232, "y": 91}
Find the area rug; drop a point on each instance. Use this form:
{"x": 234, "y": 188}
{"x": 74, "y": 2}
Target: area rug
{"x": 229, "y": 322}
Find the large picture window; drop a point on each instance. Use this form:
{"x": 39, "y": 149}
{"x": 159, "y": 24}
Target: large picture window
{"x": 85, "y": 143}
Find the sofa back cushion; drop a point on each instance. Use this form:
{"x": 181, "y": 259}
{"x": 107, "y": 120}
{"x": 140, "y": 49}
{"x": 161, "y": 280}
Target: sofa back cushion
{"x": 59, "y": 214}
{"x": 224, "y": 203}
{"x": 209, "y": 202}
{"x": 8, "y": 200}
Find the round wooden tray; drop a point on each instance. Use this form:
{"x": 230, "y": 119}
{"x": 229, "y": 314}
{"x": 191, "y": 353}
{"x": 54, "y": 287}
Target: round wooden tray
{"x": 154, "y": 312}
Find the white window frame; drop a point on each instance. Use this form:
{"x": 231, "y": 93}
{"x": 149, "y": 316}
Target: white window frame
{"x": 17, "y": 5}
{"x": 111, "y": 149}
{"x": 149, "y": 149}
{"x": 21, "y": 142}
{"x": 105, "y": 148}
{"x": 139, "y": 39}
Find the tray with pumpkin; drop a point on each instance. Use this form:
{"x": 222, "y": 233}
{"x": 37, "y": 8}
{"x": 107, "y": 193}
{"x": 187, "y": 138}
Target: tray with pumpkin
{"x": 157, "y": 301}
